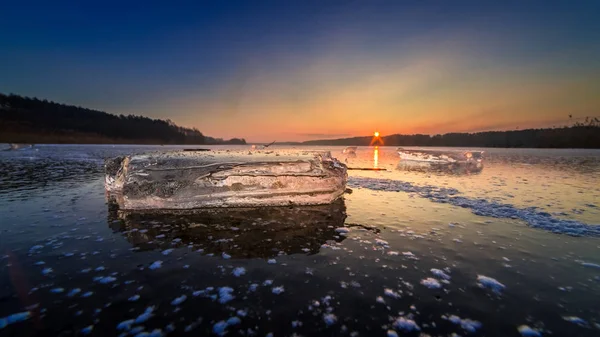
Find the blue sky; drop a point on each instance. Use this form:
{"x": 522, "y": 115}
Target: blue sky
{"x": 294, "y": 70}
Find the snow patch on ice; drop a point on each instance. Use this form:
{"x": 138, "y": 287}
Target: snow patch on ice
{"x": 490, "y": 283}
{"x": 239, "y": 271}
{"x": 526, "y": 331}
{"x": 431, "y": 283}
{"x": 531, "y": 215}
{"x": 406, "y": 324}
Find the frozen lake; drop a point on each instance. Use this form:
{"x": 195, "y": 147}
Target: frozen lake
{"x": 511, "y": 251}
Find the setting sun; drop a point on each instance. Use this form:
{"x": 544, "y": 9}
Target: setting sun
{"x": 376, "y": 134}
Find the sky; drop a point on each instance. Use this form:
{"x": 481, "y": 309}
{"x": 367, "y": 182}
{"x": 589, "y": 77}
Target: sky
{"x": 299, "y": 70}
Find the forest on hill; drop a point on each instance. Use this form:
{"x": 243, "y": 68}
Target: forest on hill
{"x": 31, "y": 120}
{"x": 585, "y": 134}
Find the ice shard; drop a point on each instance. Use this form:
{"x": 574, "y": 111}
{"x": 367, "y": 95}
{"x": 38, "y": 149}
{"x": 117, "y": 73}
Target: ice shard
{"x": 446, "y": 161}
{"x": 189, "y": 180}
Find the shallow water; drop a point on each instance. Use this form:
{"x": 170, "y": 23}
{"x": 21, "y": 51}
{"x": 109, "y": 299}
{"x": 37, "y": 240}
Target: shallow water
{"x": 529, "y": 221}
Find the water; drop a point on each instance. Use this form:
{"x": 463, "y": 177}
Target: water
{"x": 80, "y": 267}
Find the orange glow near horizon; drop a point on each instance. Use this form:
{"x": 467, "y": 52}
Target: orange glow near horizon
{"x": 376, "y": 139}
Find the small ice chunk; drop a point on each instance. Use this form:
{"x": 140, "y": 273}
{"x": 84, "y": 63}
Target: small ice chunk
{"x": 225, "y": 295}
{"x": 179, "y": 300}
{"x": 267, "y": 282}
{"x": 490, "y": 283}
{"x": 526, "y": 331}
{"x": 380, "y": 242}
{"x": 380, "y": 299}
{"x": 155, "y": 265}
{"x": 125, "y": 325}
{"x": 239, "y": 271}
{"x": 226, "y": 256}
{"x": 134, "y": 298}
{"x": 40, "y": 263}
{"x": 167, "y": 251}
{"x": 342, "y": 230}
{"x": 440, "y": 274}
{"x": 408, "y": 254}
{"x": 234, "y": 320}
{"x": 101, "y": 268}
{"x": 73, "y": 292}
{"x": 220, "y": 328}
{"x": 278, "y": 290}
{"x": 87, "y": 294}
{"x": 105, "y": 279}
{"x": 47, "y": 271}
{"x": 591, "y": 265}
{"x": 390, "y": 293}
{"x": 431, "y": 283}
{"x": 271, "y": 261}
{"x": 329, "y": 319}
{"x": 575, "y": 319}
{"x": 87, "y": 330}
{"x": 406, "y": 324}
{"x": 145, "y": 316}
{"x": 57, "y": 290}
{"x": 392, "y": 333}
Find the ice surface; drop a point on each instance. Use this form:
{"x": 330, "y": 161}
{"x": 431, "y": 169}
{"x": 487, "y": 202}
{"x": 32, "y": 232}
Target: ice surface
{"x": 187, "y": 180}
{"x": 482, "y": 207}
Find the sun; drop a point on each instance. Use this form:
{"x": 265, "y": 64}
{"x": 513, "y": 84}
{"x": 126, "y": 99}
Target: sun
{"x": 376, "y": 134}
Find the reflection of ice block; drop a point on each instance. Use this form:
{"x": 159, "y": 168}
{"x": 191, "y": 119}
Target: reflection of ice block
{"x": 186, "y": 180}
{"x": 450, "y": 161}
{"x": 239, "y": 232}
{"x": 350, "y": 150}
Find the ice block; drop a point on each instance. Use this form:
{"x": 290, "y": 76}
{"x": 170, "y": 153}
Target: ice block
{"x": 189, "y": 180}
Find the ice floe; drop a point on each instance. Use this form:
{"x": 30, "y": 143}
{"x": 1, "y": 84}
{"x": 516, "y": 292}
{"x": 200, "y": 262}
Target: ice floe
{"x": 278, "y": 290}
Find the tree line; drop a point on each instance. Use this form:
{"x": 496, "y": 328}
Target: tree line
{"x": 579, "y": 135}
{"x": 49, "y": 120}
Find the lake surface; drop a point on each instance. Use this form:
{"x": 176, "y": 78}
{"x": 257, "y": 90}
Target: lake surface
{"x": 511, "y": 251}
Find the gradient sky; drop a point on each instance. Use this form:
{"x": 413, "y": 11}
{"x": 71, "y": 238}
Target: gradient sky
{"x": 298, "y": 70}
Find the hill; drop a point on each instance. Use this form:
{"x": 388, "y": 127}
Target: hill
{"x": 580, "y": 135}
{"x": 31, "y": 120}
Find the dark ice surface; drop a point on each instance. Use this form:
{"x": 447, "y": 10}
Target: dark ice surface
{"x": 393, "y": 256}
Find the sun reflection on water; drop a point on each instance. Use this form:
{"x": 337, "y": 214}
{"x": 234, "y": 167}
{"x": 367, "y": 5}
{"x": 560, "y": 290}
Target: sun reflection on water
{"x": 376, "y": 157}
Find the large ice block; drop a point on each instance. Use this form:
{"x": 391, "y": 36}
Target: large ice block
{"x": 188, "y": 180}
{"x": 442, "y": 161}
